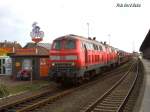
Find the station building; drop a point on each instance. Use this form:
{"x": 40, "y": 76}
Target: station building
{"x": 7, "y": 48}
{"x": 33, "y": 57}
{"x": 145, "y": 47}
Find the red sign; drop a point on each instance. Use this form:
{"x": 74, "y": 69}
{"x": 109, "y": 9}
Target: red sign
{"x": 37, "y": 40}
{"x": 26, "y": 51}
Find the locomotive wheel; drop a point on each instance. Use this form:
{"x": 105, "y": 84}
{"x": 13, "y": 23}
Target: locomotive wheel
{"x": 80, "y": 80}
{"x": 87, "y": 76}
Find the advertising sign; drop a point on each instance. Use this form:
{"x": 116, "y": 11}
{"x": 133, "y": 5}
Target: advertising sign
{"x": 36, "y": 34}
{"x": 26, "y": 51}
{"x": 4, "y": 51}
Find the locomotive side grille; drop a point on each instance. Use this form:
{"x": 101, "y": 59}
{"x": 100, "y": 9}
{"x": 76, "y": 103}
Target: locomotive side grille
{"x": 64, "y": 67}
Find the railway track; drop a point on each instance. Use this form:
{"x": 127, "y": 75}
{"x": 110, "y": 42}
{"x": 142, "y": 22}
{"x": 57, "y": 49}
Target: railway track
{"x": 10, "y": 107}
{"x": 115, "y": 98}
{"x": 37, "y": 101}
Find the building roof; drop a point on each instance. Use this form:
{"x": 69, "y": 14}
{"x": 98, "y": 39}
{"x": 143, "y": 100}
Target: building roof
{"x": 42, "y": 51}
{"x": 8, "y": 44}
{"x": 145, "y": 43}
{"x": 32, "y": 49}
{"x": 45, "y": 45}
{"x": 32, "y": 45}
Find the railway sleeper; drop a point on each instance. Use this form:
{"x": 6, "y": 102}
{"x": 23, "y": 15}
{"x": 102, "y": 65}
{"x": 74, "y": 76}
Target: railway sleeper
{"x": 107, "y": 107}
{"x": 42, "y": 98}
{"x": 115, "y": 97}
{"x": 109, "y": 104}
{"x": 103, "y": 110}
{"x": 21, "y": 105}
{"x": 119, "y": 94}
{"x": 113, "y": 100}
{"x": 24, "y": 105}
{"x": 120, "y": 90}
{"x": 89, "y": 105}
{"x": 9, "y": 110}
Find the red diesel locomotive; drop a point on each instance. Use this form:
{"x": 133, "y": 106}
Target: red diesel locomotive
{"x": 75, "y": 58}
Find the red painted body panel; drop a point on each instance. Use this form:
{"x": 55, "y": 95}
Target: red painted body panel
{"x": 93, "y": 56}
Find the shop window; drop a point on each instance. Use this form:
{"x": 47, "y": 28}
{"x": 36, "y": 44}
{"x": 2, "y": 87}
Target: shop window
{"x": 27, "y": 64}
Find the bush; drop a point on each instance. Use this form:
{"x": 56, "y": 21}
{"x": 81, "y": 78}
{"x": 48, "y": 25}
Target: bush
{"x": 3, "y": 91}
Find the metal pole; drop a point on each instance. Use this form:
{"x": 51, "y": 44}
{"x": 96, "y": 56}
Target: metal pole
{"x": 31, "y": 76}
{"x": 133, "y": 45}
{"x": 88, "y": 29}
{"x": 109, "y": 38}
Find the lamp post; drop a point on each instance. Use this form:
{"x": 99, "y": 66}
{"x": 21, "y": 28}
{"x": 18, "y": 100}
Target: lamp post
{"x": 88, "y": 24}
{"x": 36, "y": 36}
{"x": 133, "y": 46}
{"x": 31, "y": 77}
{"x": 109, "y": 38}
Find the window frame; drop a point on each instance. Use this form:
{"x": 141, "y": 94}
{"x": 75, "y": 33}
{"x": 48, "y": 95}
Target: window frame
{"x": 73, "y": 40}
{"x": 61, "y": 45}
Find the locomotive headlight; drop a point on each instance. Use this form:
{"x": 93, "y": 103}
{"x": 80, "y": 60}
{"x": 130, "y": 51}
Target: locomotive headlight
{"x": 71, "y": 57}
{"x": 54, "y": 57}
{"x": 73, "y": 64}
{"x": 53, "y": 64}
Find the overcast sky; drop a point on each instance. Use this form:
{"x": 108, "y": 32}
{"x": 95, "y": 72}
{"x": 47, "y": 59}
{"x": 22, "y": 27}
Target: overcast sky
{"x": 124, "y": 27}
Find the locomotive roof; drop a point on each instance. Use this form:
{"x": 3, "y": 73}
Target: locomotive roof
{"x": 72, "y": 36}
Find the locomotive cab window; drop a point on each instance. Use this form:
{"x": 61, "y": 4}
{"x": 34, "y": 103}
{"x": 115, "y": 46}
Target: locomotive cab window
{"x": 57, "y": 45}
{"x": 70, "y": 44}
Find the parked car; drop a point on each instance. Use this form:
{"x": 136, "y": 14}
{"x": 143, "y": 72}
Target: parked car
{"x": 24, "y": 75}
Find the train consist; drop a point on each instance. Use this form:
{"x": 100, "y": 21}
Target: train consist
{"x": 75, "y": 58}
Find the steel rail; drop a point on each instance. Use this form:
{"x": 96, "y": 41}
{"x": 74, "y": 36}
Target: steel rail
{"x": 5, "y": 107}
{"x": 130, "y": 90}
{"x": 103, "y": 103}
{"x": 46, "y": 101}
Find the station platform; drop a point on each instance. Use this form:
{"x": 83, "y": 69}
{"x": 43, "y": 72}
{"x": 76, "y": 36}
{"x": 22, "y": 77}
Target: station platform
{"x": 143, "y": 102}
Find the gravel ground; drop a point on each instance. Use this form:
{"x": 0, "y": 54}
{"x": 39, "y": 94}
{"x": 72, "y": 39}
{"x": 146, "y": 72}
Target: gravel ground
{"x": 79, "y": 99}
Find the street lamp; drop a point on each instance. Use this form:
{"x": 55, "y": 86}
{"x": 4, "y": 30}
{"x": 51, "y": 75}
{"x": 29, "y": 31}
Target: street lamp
{"x": 109, "y": 36}
{"x": 133, "y": 46}
{"x": 88, "y": 24}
